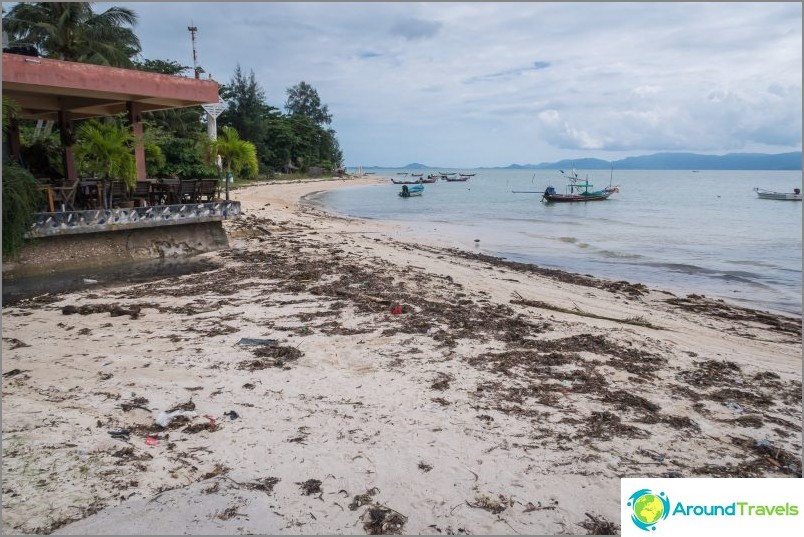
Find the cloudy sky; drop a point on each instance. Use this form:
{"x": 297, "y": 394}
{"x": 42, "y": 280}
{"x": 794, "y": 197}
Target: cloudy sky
{"x": 467, "y": 84}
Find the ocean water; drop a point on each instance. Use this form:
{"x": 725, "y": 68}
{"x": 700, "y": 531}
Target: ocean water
{"x": 686, "y": 232}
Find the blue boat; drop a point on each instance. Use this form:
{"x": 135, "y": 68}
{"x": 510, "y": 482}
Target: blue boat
{"x": 412, "y": 190}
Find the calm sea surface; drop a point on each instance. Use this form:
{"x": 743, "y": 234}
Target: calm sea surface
{"x": 688, "y": 232}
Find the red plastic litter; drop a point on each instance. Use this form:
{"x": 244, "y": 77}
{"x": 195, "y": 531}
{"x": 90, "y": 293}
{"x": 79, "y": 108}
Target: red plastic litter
{"x": 212, "y": 421}
{"x": 152, "y": 441}
{"x": 397, "y": 310}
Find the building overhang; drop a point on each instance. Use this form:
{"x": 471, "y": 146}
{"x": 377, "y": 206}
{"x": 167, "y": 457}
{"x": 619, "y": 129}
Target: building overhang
{"x": 44, "y": 87}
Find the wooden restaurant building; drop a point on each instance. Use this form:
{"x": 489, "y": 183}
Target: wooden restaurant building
{"x": 63, "y": 91}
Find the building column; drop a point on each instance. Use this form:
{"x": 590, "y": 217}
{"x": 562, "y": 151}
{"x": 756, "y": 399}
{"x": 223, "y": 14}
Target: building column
{"x": 67, "y": 142}
{"x": 135, "y": 117}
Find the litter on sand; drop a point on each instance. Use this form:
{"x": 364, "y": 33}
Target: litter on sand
{"x": 164, "y": 418}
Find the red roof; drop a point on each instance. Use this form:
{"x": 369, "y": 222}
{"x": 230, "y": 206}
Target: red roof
{"x": 42, "y": 87}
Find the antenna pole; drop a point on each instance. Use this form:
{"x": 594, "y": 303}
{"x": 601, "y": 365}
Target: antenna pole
{"x": 193, "y": 30}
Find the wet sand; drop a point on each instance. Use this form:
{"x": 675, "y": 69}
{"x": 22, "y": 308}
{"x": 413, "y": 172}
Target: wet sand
{"x": 402, "y": 388}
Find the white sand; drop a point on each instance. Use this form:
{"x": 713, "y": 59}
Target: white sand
{"x": 491, "y": 449}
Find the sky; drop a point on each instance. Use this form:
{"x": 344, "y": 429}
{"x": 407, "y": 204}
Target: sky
{"x": 474, "y": 84}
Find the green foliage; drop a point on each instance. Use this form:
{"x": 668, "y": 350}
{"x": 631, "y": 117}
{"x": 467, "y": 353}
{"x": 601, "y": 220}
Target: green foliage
{"x": 184, "y": 158}
{"x": 10, "y": 108}
{"x": 165, "y": 67}
{"x": 237, "y": 154}
{"x": 303, "y": 100}
{"x": 105, "y": 150}
{"x": 73, "y": 31}
{"x": 20, "y": 201}
{"x": 297, "y": 138}
{"x": 42, "y": 156}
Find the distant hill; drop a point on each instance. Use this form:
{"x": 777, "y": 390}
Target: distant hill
{"x": 657, "y": 161}
{"x": 683, "y": 161}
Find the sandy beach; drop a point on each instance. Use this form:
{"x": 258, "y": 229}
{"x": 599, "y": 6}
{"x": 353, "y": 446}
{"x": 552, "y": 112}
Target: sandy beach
{"x": 327, "y": 377}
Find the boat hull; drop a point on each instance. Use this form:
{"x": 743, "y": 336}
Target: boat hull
{"x": 569, "y": 198}
{"x": 781, "y": 196}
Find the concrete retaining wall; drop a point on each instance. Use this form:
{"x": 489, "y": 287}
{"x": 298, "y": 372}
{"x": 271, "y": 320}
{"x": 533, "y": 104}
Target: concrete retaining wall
{"x": 52, "y": 255}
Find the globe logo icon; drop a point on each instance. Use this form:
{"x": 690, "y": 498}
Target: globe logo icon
{"x": 648, "y": 508}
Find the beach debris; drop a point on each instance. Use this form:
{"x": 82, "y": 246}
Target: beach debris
{"x": 13, "y": 373}
{"x": 136, "y": 402}
{"x": 265, "y": 484}
{"x": 530, "y": 507}
{"x": 442, "y": 381}
{"x": 382, "y": 520}
{"x": 218, "y": 469}
{"x": 424, "y": 467}
{"x": 490, "y": 504}
{"x": 121, "y": 434}
{"x": 598, "y": 525}
{"x": 232, "y": 414}
{"x": 270, "y": 357}
{"x": 363, "y": 499}
{"x": 212, "y": 421}
{"x": 252, "y": 342}
{"x": 211, "y": 425}
{"x": 15, "y": 343}
{"x": 311, "y": 486}
{"x": 90, "y": 281}
{"x": 731, "y": 405}
{"x": 398, "y": 309}
{"x": 164, "y": 418}
{"x": 152, "y": 441}
{"x": 228, "y": 513}
{"x": 115, "y": 310}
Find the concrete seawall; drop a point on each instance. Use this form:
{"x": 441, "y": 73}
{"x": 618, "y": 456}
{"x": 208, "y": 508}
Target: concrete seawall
{"x": 66, "y": 242}
{"x": 51, "y": 255}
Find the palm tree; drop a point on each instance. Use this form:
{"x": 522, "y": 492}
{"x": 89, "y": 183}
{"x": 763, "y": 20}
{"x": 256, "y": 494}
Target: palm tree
{"x": 106, "y": 151}
{"x": 237, "y": 154}
{"x": 72, "y": 31}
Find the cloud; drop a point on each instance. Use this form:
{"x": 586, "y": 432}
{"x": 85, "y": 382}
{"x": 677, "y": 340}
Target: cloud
{"x": 508, "y": 73}
{"x": 414, "y": 29}
{"x": 481, "y": 82}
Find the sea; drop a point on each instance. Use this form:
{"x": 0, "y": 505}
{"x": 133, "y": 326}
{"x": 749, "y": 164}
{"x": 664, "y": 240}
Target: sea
{"x": 683, "y": 231}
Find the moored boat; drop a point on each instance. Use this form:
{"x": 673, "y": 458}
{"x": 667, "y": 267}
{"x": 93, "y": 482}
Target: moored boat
{"x": 578, "y": 190}
{"x": 414, "y": 181}
{"x": 763, "y": 194}
{"x": 409, "y": 191}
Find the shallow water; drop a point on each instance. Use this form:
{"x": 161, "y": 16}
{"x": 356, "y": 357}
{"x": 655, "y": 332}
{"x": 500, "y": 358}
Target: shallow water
{"x": 682, "y": 231}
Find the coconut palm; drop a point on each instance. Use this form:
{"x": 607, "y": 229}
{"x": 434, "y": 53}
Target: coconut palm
{"x": 73, "y": 31}
{"x": 237, "y": 154}
{"x": 105, "y": 150}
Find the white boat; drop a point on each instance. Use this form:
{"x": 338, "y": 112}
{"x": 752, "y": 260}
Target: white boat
{"x": 763, "y": 194}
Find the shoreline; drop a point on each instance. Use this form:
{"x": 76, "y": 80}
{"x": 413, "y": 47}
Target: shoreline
{"x": 500, "y": 398}
{"x": 758, "y": 307}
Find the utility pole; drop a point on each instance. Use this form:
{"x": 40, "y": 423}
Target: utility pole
{"x": 193, "y": 30}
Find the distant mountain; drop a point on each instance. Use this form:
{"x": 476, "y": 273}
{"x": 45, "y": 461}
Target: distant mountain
{"x": 416, "y": 166}
{"x": 682, "y": 161}
{"x": 657, "y": 161}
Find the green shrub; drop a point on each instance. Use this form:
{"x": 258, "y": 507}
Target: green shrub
{"x": 20, "y": 201}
